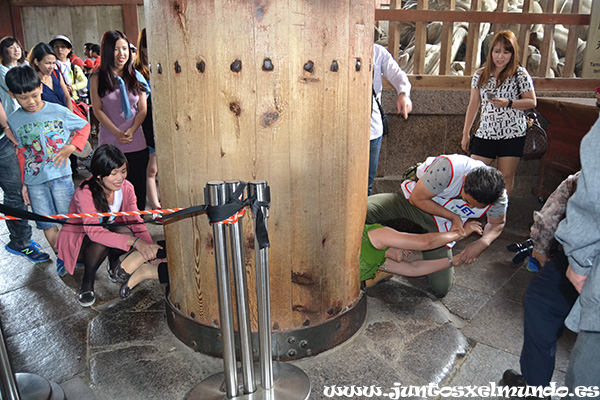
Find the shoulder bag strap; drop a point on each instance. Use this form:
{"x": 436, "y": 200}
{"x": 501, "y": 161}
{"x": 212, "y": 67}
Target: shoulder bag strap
{"x": 378, "y": 105}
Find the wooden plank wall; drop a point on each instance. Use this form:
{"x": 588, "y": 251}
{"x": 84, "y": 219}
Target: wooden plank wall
{"x": 421, "y": 16}
{"x": 82, "y": 21}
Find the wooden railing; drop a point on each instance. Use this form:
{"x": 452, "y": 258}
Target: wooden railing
{"x": 500, "y": 18}
{"x": 81, "y": 20}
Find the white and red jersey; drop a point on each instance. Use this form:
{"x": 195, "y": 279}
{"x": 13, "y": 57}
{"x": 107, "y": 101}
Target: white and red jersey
{"x": 450, "y": 196}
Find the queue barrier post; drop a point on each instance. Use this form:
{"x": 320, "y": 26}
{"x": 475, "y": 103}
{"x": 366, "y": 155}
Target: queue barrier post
{"x": 8, "y": 384}
{"x": 241, "y": 292}
{"x": 217, "y": 196}
{"x": 279, "y": 381}
{"x": 263, "y": 296}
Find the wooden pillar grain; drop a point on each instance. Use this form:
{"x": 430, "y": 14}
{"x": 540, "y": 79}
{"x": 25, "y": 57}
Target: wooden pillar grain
{"x": 304, "y": 130}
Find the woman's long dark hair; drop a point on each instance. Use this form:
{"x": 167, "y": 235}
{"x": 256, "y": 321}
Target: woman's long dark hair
{"x": 141, "y": 60}
{"x": 106, "y": 76}
{"x": 5, "y": 43}
{"x": 38, "y": 53}
{"x": 105, "y": 159}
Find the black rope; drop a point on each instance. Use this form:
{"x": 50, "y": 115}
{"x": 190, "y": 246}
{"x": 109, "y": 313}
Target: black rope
{"x": 215, "y": 214}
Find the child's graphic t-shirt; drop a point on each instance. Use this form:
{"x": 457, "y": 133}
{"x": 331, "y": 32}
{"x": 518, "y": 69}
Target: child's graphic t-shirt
{"x": 42, "y": 134}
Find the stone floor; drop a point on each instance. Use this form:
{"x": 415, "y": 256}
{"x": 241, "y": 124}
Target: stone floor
{"x": 125, "y": 350}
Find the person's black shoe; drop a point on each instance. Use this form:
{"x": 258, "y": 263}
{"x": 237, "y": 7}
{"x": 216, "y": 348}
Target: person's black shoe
{"x": 86, "y": 299}
{"x": 512, "y": 378}
{"x": 118, "y": 274}
{"x": 125, "y": 291}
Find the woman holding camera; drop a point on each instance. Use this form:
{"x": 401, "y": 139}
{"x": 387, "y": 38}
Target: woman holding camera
{"x": 504, "y": 90}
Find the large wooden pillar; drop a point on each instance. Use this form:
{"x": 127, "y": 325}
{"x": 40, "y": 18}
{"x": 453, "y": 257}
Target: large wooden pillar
{"x": 274, "y": 90}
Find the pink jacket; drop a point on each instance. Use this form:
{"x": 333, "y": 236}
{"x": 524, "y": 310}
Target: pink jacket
{"x": 71, "y": 236}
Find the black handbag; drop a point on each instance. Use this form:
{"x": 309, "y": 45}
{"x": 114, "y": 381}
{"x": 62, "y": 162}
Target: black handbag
{"x": 536, "y": 140}
{"x": 384, "y": 117}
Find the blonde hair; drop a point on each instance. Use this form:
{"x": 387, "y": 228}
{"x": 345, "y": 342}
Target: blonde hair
{"x": 508, "y": 40}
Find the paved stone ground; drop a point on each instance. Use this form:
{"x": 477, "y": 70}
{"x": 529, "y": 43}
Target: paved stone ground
{"x": 125, "y": 350}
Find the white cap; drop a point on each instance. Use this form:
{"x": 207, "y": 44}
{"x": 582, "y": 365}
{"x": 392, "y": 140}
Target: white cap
{"x": 63, "y": 38}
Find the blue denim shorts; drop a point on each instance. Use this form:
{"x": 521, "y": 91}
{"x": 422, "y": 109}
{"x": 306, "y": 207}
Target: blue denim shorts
{"x": 52, "y": 197}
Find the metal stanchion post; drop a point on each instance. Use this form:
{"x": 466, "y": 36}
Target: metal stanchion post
{"x": 241, "y": 291}
{"x": 263, "y": 296}
{"x": 7, "y": 378}
{"x": 217, "y": 196}
{"x": 280, "y": 381}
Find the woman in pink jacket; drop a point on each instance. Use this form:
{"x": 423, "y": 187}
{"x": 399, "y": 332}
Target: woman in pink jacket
{"x": 106, "y": 190}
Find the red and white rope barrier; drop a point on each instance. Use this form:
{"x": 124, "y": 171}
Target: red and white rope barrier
{"x": 107, "y": 214}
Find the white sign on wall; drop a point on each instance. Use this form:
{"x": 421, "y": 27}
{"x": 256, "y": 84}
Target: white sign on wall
{"x": 591, "y": 61}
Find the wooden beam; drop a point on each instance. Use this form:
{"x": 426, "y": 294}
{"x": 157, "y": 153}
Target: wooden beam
{"x": 131, "y": 26}
{"x": 394, "y": 33}
{"x": 546, "y": 47}
{"x": 481, "y": 16}
{"x": 18, "y": 26}
{"x": 471, "y": 60}
{"x": 67, "y": 3}
{"x": 501, "y": 7}
{"x": 6, "y": 25}
{"x": 571, "y": 53}
{"x": 524, "y": 33}
{"x": 446, "y": 46}
{"x": 420, "y": 41}
{"x": 460, "y": 82}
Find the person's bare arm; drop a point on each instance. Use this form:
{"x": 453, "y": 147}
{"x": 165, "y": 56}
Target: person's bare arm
{"x": 4, "y": 123}
{"x": 415, "y": 268}
{"x": 526, "y": 102}
{"x": 474, "y": 102}
{"x": 421, "y": 197}
{"x": 404, "y": 105}
{"x": 386, "y": 237}
{"x": 491, "y": 231}
{"x": 139, "y": 117}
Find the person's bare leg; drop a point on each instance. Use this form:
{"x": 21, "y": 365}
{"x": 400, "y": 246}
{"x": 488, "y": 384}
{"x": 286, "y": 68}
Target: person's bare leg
{"x": 486, "y": 160}
{"x": 145, "y": 271}
{"x": 132, "y": 262}
{"x": 508, "y": 167}
{"x": 51, "y": 236}
{"x": 151, "y": 188}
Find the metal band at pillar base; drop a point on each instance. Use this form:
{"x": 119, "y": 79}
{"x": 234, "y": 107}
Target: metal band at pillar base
{"x": 286, "y": 346}
{"x": 289, "y": 383}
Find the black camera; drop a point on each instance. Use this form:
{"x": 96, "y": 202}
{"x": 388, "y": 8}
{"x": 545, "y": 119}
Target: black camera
{"x": 522, "y": 250}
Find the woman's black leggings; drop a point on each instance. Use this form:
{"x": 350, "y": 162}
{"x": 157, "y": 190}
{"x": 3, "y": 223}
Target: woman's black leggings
{"x": 93, "y": 254}
{"x": 136, "y": 174}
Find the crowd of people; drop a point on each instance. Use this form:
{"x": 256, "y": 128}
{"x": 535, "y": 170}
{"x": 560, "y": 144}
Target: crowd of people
{"x": 44, "y": 119}
{"x": 44, "y": 115}
{"x": 445, "y": 191}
